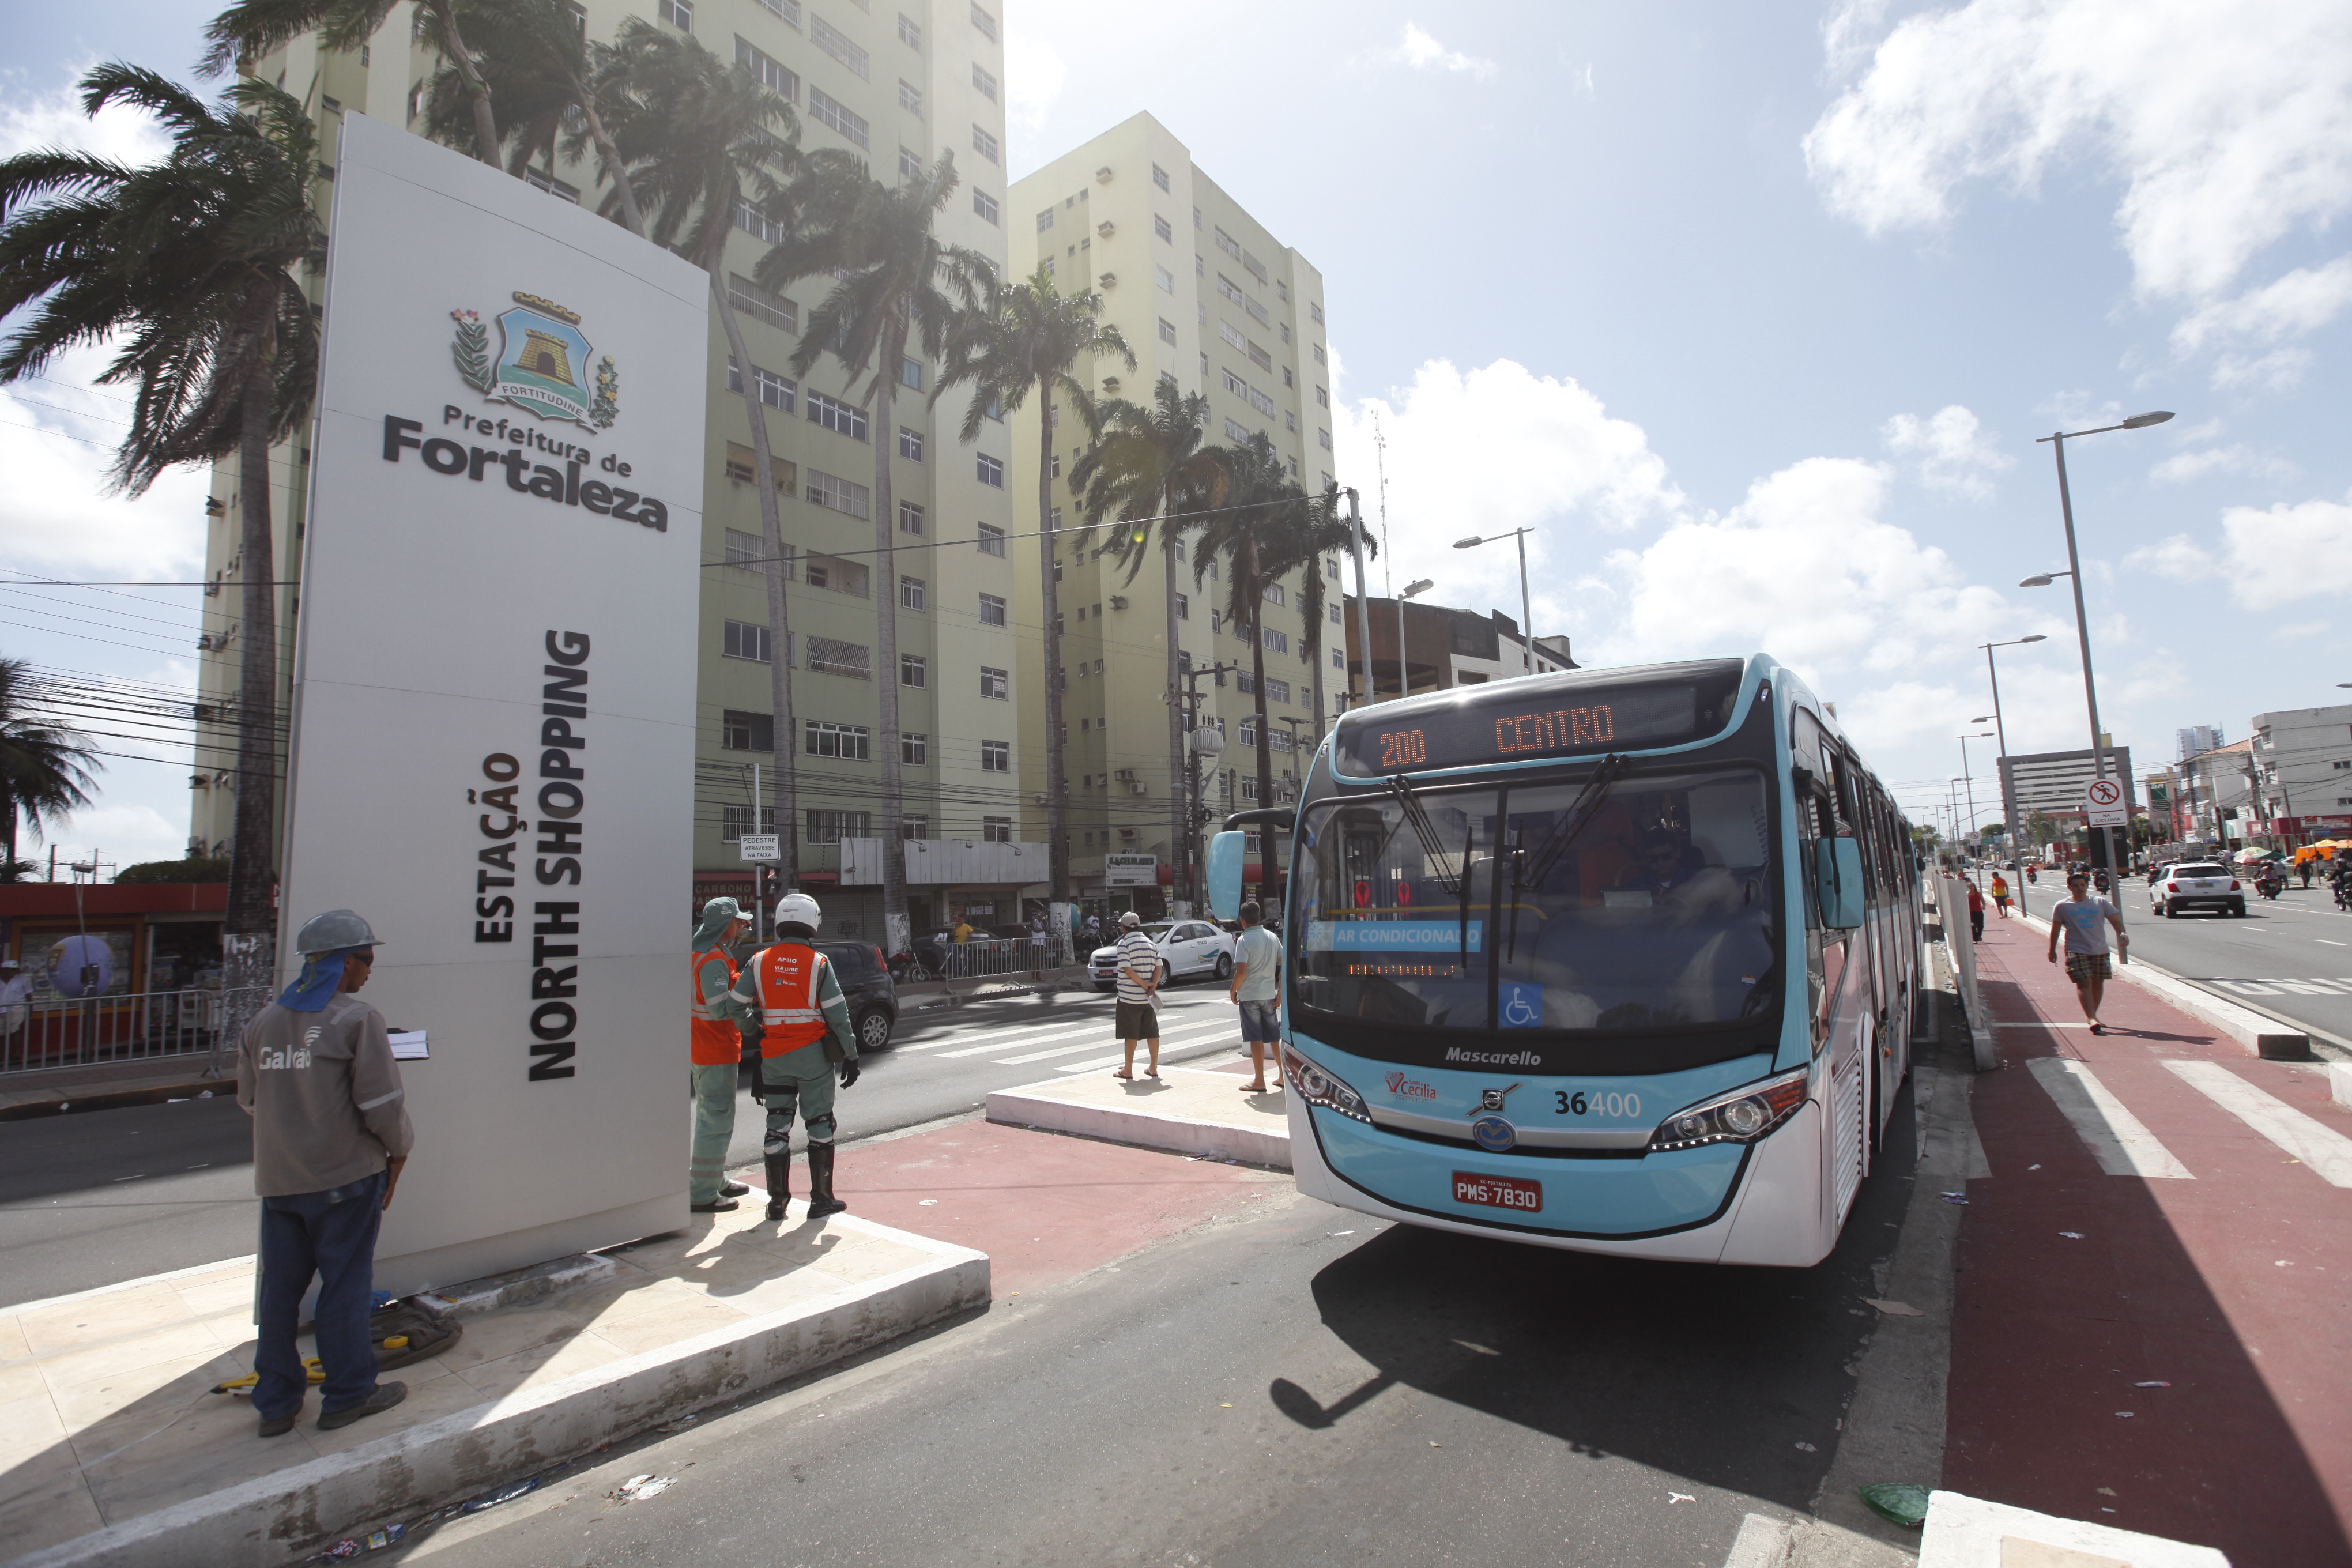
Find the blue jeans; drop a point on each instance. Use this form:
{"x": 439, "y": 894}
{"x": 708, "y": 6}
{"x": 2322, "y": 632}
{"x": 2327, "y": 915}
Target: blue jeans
{"x": 331, "y": 1235}
{"x": 1262, "y": 1021}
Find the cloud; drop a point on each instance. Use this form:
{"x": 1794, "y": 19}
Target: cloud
{"x": 1419, "y": 51}
{"x": 2303, "y": 301}
{"x": 1033, "y": 75}
{"x": 2272, "y": 553}
{"x": 1955, "y": 453}
{"x": 2184, "y": 468}
{"x": 56, "y": 120}
{"x": 2180, "y": 558}
{"x": 2230, "y": 128}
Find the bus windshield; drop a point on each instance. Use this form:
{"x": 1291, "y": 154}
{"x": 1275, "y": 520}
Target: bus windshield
{"x": 1476, "y": 908}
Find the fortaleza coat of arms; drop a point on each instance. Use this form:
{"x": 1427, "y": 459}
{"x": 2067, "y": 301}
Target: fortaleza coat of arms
{"x": 541, "y": 363}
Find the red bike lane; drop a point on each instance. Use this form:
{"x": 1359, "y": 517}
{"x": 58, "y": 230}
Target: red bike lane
{"x": 2167, "y": 1349}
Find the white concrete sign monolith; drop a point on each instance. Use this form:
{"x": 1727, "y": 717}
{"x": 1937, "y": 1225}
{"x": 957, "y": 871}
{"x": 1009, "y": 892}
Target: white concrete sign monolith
{"x": 494, "y": 701}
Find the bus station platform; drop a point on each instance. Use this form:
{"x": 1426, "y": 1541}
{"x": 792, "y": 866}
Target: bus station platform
{"x": 2149, "y": 1324}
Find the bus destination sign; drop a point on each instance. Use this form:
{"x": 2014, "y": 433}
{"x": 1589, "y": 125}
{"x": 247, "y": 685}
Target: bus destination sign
{"x": 1520, "y": 721}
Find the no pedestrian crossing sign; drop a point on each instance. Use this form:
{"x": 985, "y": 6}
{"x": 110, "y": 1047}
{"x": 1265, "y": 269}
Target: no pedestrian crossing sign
{"x": 760, "y": 847}
{"x": 2103, "y": 802}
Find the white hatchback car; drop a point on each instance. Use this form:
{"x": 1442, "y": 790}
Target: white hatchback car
{"x": 1186, "y": 948}
{"x": 2195, "y": 885}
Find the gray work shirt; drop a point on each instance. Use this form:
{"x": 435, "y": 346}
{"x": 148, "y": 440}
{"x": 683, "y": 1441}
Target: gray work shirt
{"x": 324, "y": 1094}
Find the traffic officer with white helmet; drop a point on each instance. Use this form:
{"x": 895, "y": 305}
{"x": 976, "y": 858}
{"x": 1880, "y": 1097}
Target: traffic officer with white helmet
{"x": 715, "y": 1047}
{"x": 807, "y": 1037}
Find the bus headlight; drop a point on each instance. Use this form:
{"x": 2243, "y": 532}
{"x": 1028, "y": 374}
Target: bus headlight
{"x": 1316, "y": 1087}
{"x": 1740, "y": 1116}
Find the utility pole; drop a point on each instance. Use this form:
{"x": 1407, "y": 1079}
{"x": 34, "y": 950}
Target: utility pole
{"x": 1189, "y": 699}
{"x": 1300, "y": 775}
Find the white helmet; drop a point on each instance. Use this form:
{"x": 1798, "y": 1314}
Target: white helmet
{"x": 798, "y": 909}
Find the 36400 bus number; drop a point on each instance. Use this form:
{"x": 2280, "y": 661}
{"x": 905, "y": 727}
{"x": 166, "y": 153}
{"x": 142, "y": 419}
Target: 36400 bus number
{"x": 1577, "y": 1103}
{"x": 1402, "y": 748}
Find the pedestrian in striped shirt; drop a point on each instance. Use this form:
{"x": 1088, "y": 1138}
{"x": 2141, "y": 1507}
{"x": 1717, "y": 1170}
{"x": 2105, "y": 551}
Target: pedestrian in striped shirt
{"x": 1139, "y": 989}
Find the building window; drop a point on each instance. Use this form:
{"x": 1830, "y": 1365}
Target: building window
{"x": 911, "y": 32}
{"x": 1228, "y": 290}
{"x": 828, "y": 656}
{"x": 996, "y": 830}
{"x": 983, "y": 143}
{"x": 1261, "y": 359}
{"x": 914, "y": 670}
{"x": 678, "y": 14}
{"x": 995, "y": 683}
{"x": 1277, "y": 692}
{"x": 1044, "y": 220}
{"x": 1318, "y": 355}
{"x": 915, "y": 750}
{"x": 1163, "y": 228}
{"x": 758, "y": 224}
{"x": 1165, "y": 278}
{"x": 823, "y": 35}
{"x": 1167, "y": 331}
{"x": 985, "y": 23}
{"x": 1183, "y": 606}
{"x": 1315, "y": 310}
{"x": 740, "y": 732}
{"x": 991, "y": 610}
{"x": 1338, "y": 659}
{"x": 992, "y": 540}
{"x": 1229, "y": 245}
{"x": 1247, "y": 734}
{"x": 910, "y": 447}
{"x": 911, "y": 373}
{"x": 911, "y": 99}
{"x": 910, "y": 592}
{"x": 1335, "y": 610}
{"x": 1323, "y": 397}
{"x": 996, "y": 756}
{"x": 415, "y": 99}
{"x": 768, "y": 306}
{"x": 992, "y": 471}
{"x": 836, "y": 115}
{"x": 1274, "y": 594}
{"x": 747, "y": 551}
{"x": 983, "y": 206}
{"x": 745, "y": 640}
{"x": 1235, "y": 430}
{"x": 1290, "y": 421}
{"x": 1216, "y": 625}
{"x": 985, "y": 83}
{"x": 914, "y": 825}
{"x": 1277, "y": 642}
{"x": 734, "y": 821}
{"x": 775, "y": 391}
{"x": 1254, "y": 267}
{"x": 1159, "y": 176}
{"x": 538, "y": 178}
{"x": 1324, "y": 437}
{"x": 910, "y": 517}
{"x": 844, "y": 418}
{"x": 910, "y": 164}
{"x": 833, "y": 826}
{"x": 849, "y": 742}
{"x": 770, "y": 72}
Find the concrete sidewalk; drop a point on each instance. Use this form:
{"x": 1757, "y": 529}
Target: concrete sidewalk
{"x": 2150, "y": 1326}
{"x": 1204, "y": 1112}
{"x": 103, "y": 1086}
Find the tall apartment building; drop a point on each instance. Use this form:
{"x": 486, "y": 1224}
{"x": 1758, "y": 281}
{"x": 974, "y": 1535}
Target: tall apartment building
{"x": 1208, "y": 298}
{"x": 2303, "y": 768}
{"x": 899, "y": 82}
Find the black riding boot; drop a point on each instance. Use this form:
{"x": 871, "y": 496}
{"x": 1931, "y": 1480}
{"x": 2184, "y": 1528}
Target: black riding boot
{"x": 780, "y": 1182}
{"x": 821, "y": 1199}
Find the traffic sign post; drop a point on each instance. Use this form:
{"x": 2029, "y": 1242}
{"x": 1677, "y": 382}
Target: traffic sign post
{"x": 2102, "y": 803}
{"x": 760, "y": 847}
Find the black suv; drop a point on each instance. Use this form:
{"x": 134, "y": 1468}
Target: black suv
{"x": 866, "y": 986}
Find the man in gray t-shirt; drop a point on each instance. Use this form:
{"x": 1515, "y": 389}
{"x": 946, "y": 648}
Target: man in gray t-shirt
{"x": 1257, "y": 987}
{"x": 2081, "y": 919}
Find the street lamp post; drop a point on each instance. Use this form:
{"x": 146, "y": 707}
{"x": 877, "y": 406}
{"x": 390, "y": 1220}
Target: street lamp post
{"x": 1411, "y": 590}
{"x": 1527, "y": 613}
{"x": 1363, "y": 604}
{"x": 2001, "y": 733}
{"x": 1967, "y": 777}
{"x": 2058, "y": 440}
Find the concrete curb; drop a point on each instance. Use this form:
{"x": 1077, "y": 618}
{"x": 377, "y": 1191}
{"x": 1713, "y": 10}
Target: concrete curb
{"x": 298, "y": 1512}
{"x": 2258, "y": 1032}
{"x": 1969, "y": 1532}
{"x": 1175, "y": 1134}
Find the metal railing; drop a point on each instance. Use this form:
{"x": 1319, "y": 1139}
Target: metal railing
{"x": 983, "y": 958}
{"x": 53, "y": 1031}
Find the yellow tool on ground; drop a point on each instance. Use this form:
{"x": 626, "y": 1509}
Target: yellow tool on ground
{"x": 318, "y": 1374}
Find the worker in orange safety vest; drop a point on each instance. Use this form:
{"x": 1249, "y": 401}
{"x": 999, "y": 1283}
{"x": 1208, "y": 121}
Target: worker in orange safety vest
{"x": 714, "y": 1046}
{"x": 806, "y": 1037}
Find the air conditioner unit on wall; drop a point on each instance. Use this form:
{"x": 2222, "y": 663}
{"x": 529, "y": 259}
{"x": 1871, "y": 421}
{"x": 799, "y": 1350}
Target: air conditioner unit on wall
{"x": 1138, "y": 787}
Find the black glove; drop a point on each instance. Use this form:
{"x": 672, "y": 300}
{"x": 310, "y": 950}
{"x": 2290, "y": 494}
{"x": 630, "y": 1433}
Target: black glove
{"x": 849, "y": 1072}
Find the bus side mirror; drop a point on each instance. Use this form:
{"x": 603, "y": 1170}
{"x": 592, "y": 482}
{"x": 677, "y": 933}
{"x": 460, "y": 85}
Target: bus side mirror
{"x": 1226, "y": 851}
{"x": 1837, "y": 879}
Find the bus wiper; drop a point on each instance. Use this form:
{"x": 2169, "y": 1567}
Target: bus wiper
{"x": 1433, "y": 853}
{"x": 1531, "y": 871}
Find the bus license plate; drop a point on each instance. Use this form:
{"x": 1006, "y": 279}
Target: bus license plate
{"x": 1498, "y": 1192}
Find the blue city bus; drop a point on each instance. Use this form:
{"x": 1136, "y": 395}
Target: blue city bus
{"x": 1619, "y": 960}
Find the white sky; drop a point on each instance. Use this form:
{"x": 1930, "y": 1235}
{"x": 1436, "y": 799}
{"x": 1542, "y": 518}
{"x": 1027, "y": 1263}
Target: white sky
{"x": 1752, "y": 311}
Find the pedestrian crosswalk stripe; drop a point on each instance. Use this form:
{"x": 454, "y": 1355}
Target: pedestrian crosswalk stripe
{"x": 2266, "y": 987}
{"x": 2307, "y": 1139}
{"x": 1167, "y": 1054}
{"x": 1190, "y": 1035}
{"x": 2117, "y": 1140}
{"x": 1038, "y": 1034}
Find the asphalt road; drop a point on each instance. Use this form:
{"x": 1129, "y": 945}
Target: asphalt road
{"x": 92, "y": 1198}
{"x": 2293, "y": 956}
{"x": 1297, "y": 1386}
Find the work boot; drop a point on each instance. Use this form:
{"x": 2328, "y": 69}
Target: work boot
{"x": 385, "y": 1396}
{"x": 716, "y": 1206}
{"x": 821, "y": 1199}
{"x": 780, "y": 1183}
{"x": 733, "y": 1189}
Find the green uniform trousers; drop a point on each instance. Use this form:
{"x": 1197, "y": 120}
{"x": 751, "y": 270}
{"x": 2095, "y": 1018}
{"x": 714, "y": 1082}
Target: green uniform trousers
{"x": 714, "y": 1125}
{"x": 799, "y": 1080}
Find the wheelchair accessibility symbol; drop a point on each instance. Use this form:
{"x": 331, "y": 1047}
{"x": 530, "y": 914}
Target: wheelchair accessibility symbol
{"x": 1521, "y": 1007}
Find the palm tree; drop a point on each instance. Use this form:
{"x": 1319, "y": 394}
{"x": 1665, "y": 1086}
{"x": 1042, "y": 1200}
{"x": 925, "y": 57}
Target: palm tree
{"x": 1307, "y": 536}
{"x": 45, "y": 766}
{"x": 545, "y": 78}
{"x": 1148, "y": 464}
{"x": 706, "y": 146}
{"x": 897, "y": 286}
{"x": 1262, "y": 507}
{"x": 1030, "y": 339}
{"x": 192, "y": 263}
{"x": 251, "y": 28}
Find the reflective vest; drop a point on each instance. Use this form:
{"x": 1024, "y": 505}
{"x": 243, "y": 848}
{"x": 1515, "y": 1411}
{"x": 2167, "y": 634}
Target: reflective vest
{"x": 712, "y": 1041}
{"x": 784, "y": 982}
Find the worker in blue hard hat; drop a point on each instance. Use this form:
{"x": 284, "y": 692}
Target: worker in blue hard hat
{"x": 715, "y": 1047}
{"x": 330, "y": 1134}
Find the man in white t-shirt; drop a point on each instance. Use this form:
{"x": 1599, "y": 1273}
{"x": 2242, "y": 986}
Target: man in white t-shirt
{"x": 2083, "y": 920}
{"x": 1139, "y": 989}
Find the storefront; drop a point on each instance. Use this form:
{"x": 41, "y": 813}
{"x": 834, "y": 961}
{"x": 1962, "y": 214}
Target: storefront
{"x": 110, "y": 967}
